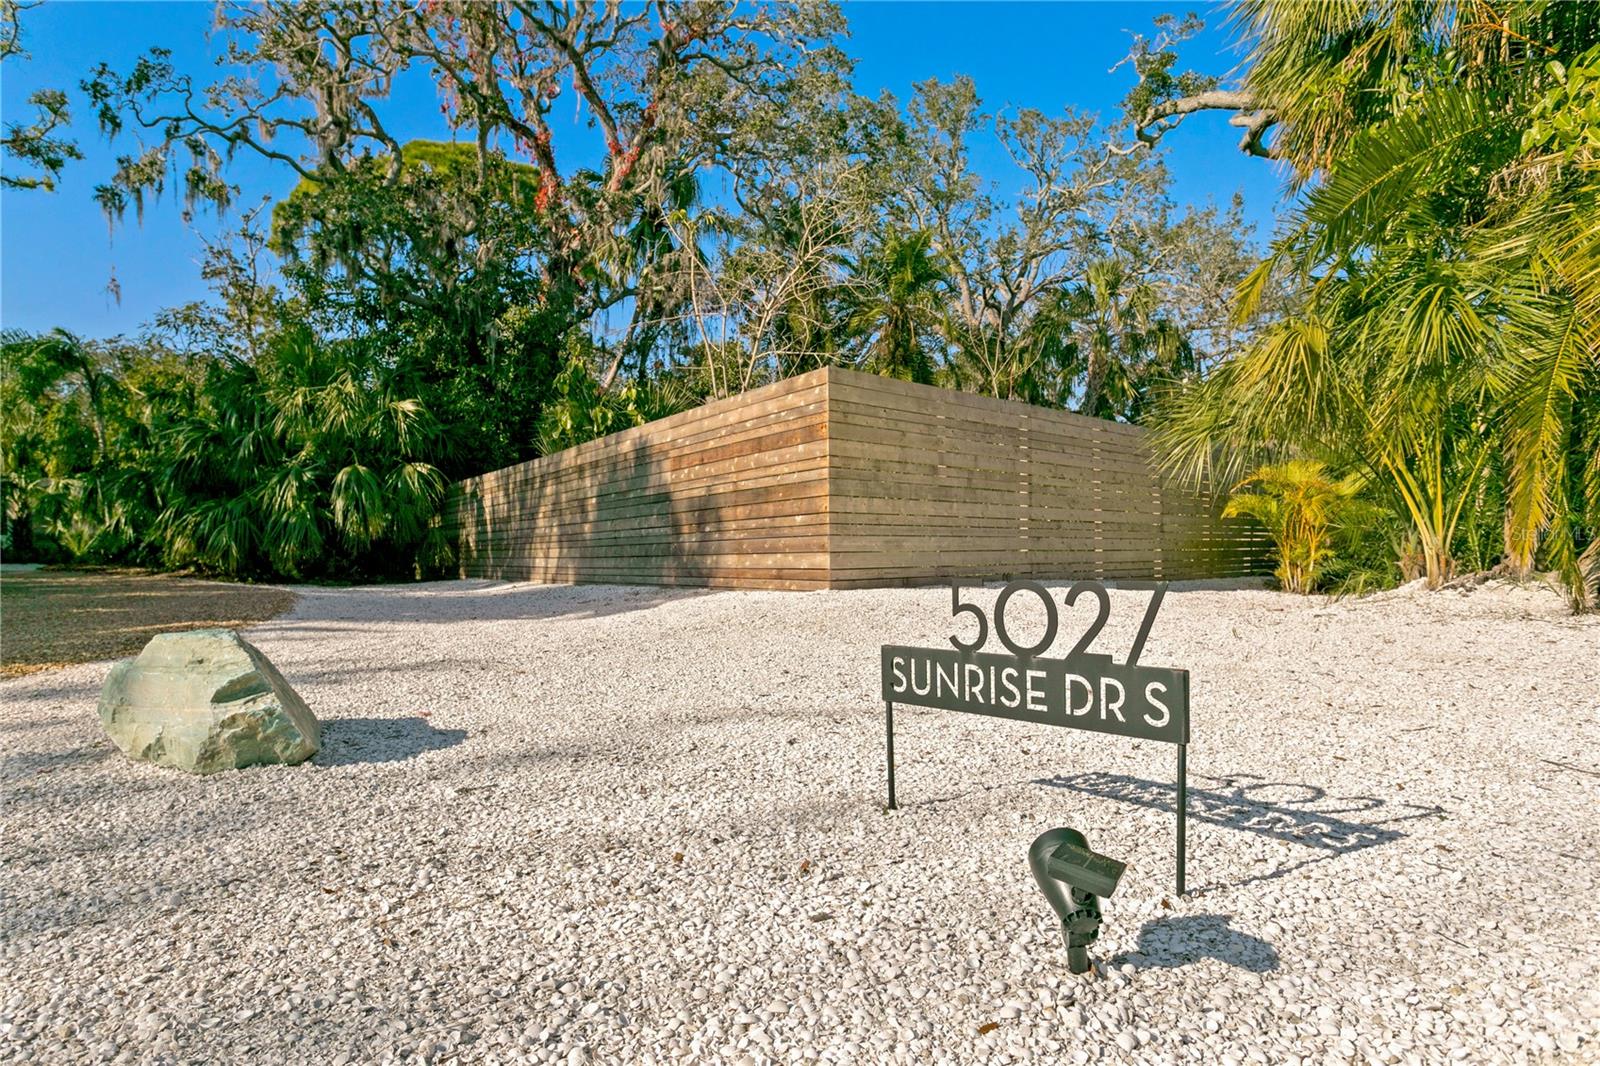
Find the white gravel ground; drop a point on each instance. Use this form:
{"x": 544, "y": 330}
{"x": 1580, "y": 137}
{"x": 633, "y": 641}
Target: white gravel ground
{"x": 630, "y": 825}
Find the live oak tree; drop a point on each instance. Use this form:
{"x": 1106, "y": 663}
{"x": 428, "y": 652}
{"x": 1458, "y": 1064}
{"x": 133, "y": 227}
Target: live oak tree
{"x": 672, "y": 92}
{"x": 35, "y": 152}
{"x": 775, "y": 299}
{"x": 1029, "y": 309}
{"x": 665, "y": 86}
{"x": 1163, "y": 97}
{"x": 1003, "y": 269}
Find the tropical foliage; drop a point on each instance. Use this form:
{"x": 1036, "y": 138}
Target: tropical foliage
{"x": 895, "y": 311}
{"x": 1305, "y": 511}
{"x": 1445, "y": 262}
{"x": 416, "y": 311}
{"x": 311, "y": 461}
{"x": 1424, "y": 323}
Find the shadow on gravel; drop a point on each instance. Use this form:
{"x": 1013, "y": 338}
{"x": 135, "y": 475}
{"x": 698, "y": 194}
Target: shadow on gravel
{"x": 1167, "y": 943}
{"x": 22, "y": 763}
{"x": 48, "y": 688}
{"x": 346, "y": 741}
{"x": 34, "y": 725}
{"x": 1296, "y": 813}
{"x": 331, "y": 674}
{"x": 450, "y": 601}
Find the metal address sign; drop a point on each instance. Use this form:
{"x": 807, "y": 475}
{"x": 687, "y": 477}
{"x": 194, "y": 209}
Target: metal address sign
{"x": 1085, "y": 690}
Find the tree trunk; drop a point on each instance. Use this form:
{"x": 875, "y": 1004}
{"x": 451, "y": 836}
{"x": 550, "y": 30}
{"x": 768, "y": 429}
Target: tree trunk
{"x": 1436, "y": 557}
{"x": 1518, "y": 562}
{"x": 1093, "y": 380}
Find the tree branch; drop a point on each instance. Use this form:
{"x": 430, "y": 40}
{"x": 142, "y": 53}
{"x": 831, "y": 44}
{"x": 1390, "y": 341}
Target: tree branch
{"x": 1155, "y": 121}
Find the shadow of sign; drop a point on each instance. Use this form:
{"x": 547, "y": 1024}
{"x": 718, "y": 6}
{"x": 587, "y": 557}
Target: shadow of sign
{"x": 1295, "y": 813}
{"x": 1167, "y": 943}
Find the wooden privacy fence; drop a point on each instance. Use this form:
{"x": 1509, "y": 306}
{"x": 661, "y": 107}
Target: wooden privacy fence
{"x": 837, "y": 479}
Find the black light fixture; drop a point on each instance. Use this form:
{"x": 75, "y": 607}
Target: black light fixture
{"x": 1061, "y": 858}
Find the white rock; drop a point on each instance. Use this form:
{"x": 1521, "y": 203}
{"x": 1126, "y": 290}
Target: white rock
{"x": 203, "y": 701}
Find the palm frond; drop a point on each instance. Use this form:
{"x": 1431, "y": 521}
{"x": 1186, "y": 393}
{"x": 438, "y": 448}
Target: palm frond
{"x": 358, "y": 506}
{"x": 1386, "y": 177}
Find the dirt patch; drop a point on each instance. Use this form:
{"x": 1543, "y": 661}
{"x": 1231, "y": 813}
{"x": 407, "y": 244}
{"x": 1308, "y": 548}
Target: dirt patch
{"x": 52, "y": 618}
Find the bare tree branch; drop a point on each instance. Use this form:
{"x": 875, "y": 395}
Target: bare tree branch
{"x": 1154, "y": 122}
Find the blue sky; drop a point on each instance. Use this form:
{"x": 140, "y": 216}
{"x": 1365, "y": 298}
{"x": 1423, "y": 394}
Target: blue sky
{"x": 56, "y": 253}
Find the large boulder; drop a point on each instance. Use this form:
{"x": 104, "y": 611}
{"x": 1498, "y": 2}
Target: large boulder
{"x": 204, "y": 701}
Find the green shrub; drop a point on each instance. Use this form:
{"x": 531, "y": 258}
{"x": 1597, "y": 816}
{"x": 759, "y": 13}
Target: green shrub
{"x": 314, "y": 461}
{"x": 1308, "y": 514}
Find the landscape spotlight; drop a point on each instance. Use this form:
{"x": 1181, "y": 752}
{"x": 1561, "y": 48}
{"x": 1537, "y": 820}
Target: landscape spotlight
{"x": 1061, "y": 857}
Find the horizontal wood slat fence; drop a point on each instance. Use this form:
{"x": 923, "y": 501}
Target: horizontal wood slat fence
{"x": 837, "y": 479}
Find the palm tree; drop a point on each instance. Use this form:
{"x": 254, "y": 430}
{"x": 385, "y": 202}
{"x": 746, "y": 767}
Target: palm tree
{"x": 1123, "y": 339}
{"x": 896, "y": 311}
{"x": 1447, "y": 252}
{"x": 316, "y": 450}
{"x": 69, "y": 357}
{"x": 1301, "y": 507}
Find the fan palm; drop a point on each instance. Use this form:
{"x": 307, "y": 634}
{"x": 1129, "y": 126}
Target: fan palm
{"x": 314, "y": 454}
{"x": 1446, "y": 254}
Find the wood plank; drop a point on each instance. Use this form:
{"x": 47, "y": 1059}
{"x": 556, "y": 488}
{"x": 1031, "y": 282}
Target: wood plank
{"x": 645, "y": 462}
{"x": 1041, "y": 433}
{"x": 561, "y": 463}
{"x": 684, "y": 522}
{"x": 737, "y": 471}
{"x": 798, "y": 495}
{"x": 913, "y": 397}
{"x": 700, "y": 420}
{"x": 840, "y": 479}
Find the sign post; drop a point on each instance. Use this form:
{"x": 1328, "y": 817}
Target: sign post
{"x": 1183, "y": 812}
{"x": 888, "y": 728}
{"x": 1085, "y": 690}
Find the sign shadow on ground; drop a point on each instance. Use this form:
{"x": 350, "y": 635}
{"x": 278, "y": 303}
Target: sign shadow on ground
{"x": 1295, "y": 813}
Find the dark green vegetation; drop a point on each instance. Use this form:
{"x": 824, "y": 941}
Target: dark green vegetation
{"x": 1424, "y": 326}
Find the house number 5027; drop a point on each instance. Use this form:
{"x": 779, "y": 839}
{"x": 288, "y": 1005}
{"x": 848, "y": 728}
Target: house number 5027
{"x": 1052, "y": 617}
